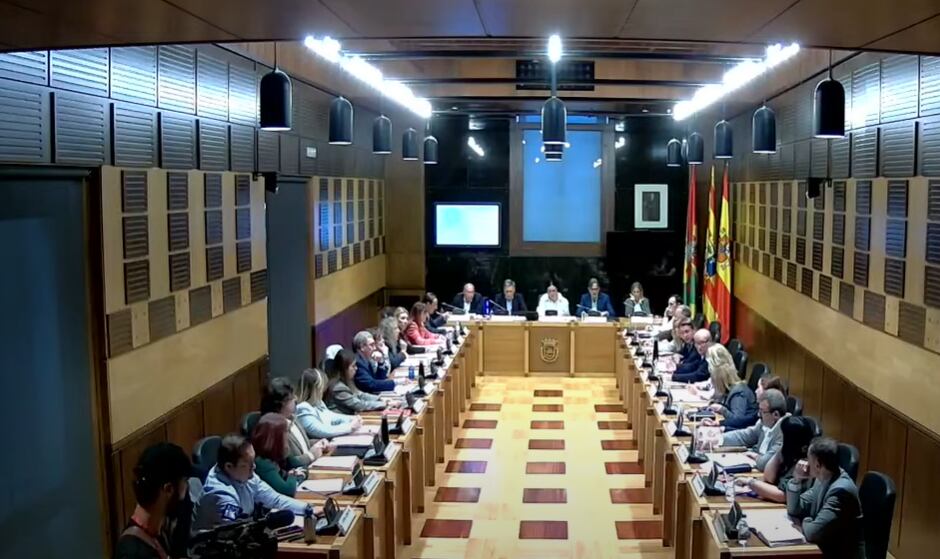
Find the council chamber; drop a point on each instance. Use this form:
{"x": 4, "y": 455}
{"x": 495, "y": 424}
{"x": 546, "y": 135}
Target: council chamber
{"x": 470, "y": 279}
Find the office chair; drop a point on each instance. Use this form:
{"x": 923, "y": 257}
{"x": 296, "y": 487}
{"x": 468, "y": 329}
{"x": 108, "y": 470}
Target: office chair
{"x": 794, "y": 406}
{"x": 848, "y": 460}
{"x": 205, "y": 454}
{"x": 759, "y": 370}
{"x": 817, "y": 430}
{"x": 734, "y": 346}
{"x": 877, "y": 495}
{"x": 741, "y": 359}
{"x": 249, "y": 420}
{"x": 715, "y": 329}
{"x": 698, "y": 322}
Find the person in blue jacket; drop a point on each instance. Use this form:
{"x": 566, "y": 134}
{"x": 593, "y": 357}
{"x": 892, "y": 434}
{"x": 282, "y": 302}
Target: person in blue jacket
{"x": 594, "y": 300}
{"x": 371, "y": 369}
{"x": 694, "y": 367}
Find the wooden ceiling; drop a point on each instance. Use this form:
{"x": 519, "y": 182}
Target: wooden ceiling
{"x": 655, "y": 50}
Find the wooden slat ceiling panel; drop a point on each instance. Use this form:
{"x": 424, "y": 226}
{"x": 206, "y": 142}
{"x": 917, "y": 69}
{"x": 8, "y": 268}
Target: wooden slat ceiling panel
{"x": 715, "y": 20}
{"x": 919, "y": 38}
{"x": 408, "y": 18}
{"x": 250, "y": 19}
{"x": 540, "y": 18}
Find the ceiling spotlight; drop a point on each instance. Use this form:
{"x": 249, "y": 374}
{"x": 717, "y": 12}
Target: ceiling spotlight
{"x": 554, "y": 48}
{"x": 409, "y": 145}
{"x": 382, "y": 135}
{"x": 275, "y": 101}
{"x": 341, "y": 122}
{"x": 674, "y": 153}
{"x": 724, "y": 140}
{"x": 430, "y": 150}
{"x": 621, "y": 141}
{"x": 477, "y": 148}
{"x": 696, "y": 149}
{"x": 764, "y": 131}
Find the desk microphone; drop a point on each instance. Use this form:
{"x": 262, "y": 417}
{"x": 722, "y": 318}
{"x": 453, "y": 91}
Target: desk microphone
{"x": 589, "y": 310}
{"x": 456, "y": 310}
{"x": 279, "y": 519}
{"x": 497, "y": 305}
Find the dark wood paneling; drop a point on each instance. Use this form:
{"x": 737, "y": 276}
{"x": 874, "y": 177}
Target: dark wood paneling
{"x": 920, "y": 515}
{"x": 813, "y": 386}
{"x": 246, "y": 390}
{"x": 887, "y": 450}
{"x": 219, "y": 410}
{"x": 833, "y": 395}
{"x": 856, "y": 418}
{"x": 186, "y": 426}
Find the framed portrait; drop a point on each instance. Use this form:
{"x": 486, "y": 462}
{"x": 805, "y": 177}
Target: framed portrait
{"x": 651, "y": 206}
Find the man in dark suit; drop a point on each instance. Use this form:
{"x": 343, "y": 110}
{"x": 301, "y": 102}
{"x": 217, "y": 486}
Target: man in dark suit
{"x": 594, "y": 300}
{"x": 510, "y": 300}
{"x": 830, "y": 511}
{"x": 469, "y": 300}
{"x": 371, "y": 376}
{"x": 693, "y": 367}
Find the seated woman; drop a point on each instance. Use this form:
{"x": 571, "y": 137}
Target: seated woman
{"x": 636, "y": 303}
{"x": 436, "y": 320}
{"x": 553, "y": 301}
{"x": 797, "y": 434}
{"x": 317, "y": 420}
{"x": 415, "y": 332}
{"x": 390, "y": 343}
{"x": 279, "y": 398}
{"x": 341, "y": 393}
{"x": 270, "y": 441}
{"x": 733, "y": 399}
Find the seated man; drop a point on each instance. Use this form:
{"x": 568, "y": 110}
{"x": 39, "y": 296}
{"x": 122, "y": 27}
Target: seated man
{"x": 371, "y": 370}
{"x": 436, "y": 319}
{"x": 594, "y": 300}
{"x": 830, "y": 509}
{"x": 553, "y": 301}
{"x": 469, "y": 300}
{"x": 233, "y": 490}
{"x": 161, "y": 489}
{"x": 763, "y": 439}
{"x": 694, "y": 367}
{"x": 510, "y": 300}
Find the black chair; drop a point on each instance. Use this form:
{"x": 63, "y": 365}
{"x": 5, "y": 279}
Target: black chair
{"x": 249, "y": 420}
{"x": 877, "y": 495}
{"x": 698, "y": 322}
{"x": 715, "y": 329}
{"x": 848, "y": 460}
{"x": 759, "y": 370}
{"x": 817, "y": 430}
{"x": 205, "y": 454}
{"x": 794, "y": 406}
{"x": 740, "y": 362}
{"x": 734, "y": 346}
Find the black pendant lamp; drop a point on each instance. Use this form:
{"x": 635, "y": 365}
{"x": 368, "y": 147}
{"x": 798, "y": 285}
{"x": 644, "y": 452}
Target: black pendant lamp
{"x": 382, "y": 135}
{"x": 341, "y": 122}
{"x": 696, "y": 149}
{"x": 409, "y": 145}
{"x": 554, "y": 121}
{"x": 724, "y": 141}
{"x": 274, "y": 98}
{"x": 674, "y": 153}
{"x": 764, "y": 130}
{"x": 829, "y": 107}
{"x": 430, "y": 150}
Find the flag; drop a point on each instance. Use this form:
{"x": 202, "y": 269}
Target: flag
{"x": 708, "y": 287}
{"x": 691, "y": 240}
{"x": 723, "y": 282}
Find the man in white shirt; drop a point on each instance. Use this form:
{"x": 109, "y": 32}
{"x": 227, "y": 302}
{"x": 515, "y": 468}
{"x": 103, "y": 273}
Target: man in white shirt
{"x": 469, "y": 300}
{"x": 552, "y": 300}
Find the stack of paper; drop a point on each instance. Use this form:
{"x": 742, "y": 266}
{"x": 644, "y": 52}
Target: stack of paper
{"x": 353, "y": 440}
{"x": 774, "y": 527}
{"x": 371, "y": 428}
{"x": 335, "y": 463}
{"x": 328, "y": 486}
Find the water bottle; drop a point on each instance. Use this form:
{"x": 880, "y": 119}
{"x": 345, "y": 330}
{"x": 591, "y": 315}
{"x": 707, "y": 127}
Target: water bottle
{"x": 411, "y": 372}
{"x": 421, "y": 370}
{"x": 384, "y": 429}
{"x": 310, "y": 526}
{"x": 744, "y": 532}
{"x": 729, "y": 488}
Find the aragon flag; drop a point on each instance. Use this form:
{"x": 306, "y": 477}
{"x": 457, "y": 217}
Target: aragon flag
{"x": 690, "y": 270}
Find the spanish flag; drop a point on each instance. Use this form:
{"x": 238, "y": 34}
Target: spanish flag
{"x": 691, "y": 241}
{"x": 708, "y": 289}
{"x": 723, "y": 284}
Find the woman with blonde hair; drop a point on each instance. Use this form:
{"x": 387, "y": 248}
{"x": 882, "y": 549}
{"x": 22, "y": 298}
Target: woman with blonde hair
{"x": 317, "y": 420}
{"x": 733, "y": 399}
{"x": 391, "y": 343}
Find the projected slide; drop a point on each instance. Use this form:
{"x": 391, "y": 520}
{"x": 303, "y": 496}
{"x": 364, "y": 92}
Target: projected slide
{"x": 467, "y": 225}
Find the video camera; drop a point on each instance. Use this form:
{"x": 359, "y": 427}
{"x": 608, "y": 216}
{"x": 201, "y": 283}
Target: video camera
{"x": 243, "y": 539}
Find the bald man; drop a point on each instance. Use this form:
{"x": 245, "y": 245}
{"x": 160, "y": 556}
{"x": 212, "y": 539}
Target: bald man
{"x": 469, "y": 300}
{"x": 694, "y": 368}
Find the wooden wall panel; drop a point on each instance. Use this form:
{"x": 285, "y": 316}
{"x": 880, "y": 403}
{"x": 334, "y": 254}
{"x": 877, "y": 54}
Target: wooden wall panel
{"x": 812, "y": 386}
{"x": 246, "y": 387}
{"x": 219, "y": 410}
{"x": 833, "y": 394}
{"x": 856, "y": 420}
{"x": 920, "y": 515}
{"x": 887, "y": 453}
{"x": 186, "y": 425}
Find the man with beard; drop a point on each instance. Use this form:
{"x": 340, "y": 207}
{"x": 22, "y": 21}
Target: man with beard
{"x": 161, "y": 489}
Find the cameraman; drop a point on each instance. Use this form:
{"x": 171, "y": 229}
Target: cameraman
{"x": 233, "y": 490}
{"x": 161, "y": 489}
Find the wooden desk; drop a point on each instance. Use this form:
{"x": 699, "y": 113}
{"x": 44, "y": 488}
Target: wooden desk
{"x": 378, "y": 514}
{"x": 354, "y": 545}
{"x": 713, "y": 546}
{"x": 562, "y": 347}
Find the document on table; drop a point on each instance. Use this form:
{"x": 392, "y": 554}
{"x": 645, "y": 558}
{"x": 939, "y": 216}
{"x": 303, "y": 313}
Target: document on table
{"x": 506, "y": 318}
{"x": 774, "y": 527}
{"x": 328, "y": 486}
{"x": 731, "y": 460}
{"x": 337, "y": 463}
{"x": 353, "y": 440}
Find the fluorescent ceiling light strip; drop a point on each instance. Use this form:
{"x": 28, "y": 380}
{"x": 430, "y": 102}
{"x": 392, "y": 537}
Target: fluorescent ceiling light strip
{"x": 734, "y": 79}
{"x": 472, "y": 142}
{"x": 330, "y": 50}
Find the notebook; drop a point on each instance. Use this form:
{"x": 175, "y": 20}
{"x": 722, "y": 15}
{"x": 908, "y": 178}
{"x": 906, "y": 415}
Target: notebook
{"x": 328, "y": 486}
{"x": 353, "y": 440}
{"x": 774, "y": 527}
{"x": 335, "y": 463}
